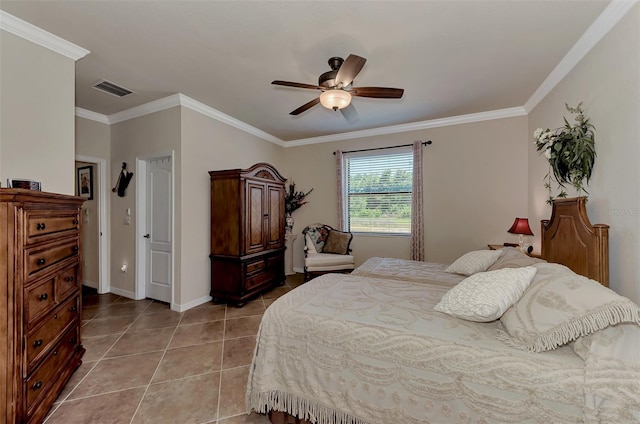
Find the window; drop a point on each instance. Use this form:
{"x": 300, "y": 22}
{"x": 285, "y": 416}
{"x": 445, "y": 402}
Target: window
{"x": 377, "y": 191}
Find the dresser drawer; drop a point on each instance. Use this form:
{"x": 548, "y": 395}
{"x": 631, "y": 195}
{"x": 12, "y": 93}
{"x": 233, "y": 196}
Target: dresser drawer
{"x": 42, "y": 226}
{"x": 41, "y": 258}
{"x": 67, "y": 282}
{"x": 44, "y": 378}
{"x": 40, "y": 341}
{"x": 39, "y": 298}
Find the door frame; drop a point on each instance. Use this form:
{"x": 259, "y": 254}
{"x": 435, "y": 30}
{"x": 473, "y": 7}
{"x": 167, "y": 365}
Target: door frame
{"x": 141, "y": 223}
{"x": 104, "y": 285}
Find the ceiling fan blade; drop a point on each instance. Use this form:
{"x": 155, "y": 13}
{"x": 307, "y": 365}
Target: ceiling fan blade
{"x": 349, "y": 69}
{"x": 306, "y": 106}
{"x": 297, "y": 85}
{"x": 377, "y": 92}
{"x": 350, "y": 113}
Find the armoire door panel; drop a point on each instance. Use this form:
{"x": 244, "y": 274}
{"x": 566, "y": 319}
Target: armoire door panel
{"x": 255, "y": 209}
{"x": 275, "y": 223}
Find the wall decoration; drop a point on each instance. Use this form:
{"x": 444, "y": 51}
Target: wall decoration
{"x": 85, "y": 182}
{"x": 123, "y": 180}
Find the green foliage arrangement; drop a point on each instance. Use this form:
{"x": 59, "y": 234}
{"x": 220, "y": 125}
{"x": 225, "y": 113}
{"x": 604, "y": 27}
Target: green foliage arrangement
{"x": 570, "y": 151}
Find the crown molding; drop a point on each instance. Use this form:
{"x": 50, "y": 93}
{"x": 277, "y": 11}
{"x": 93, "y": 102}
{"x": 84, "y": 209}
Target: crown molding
{"x": 414, "y": 126}
{"x": 609, "y": 17}
{"x": 23, "y": 29}
{"x": 174, "y": 100}
{"x": 93, "y": 116}
{"x": 195, "y": 105}
{"x": 145, "y": 109}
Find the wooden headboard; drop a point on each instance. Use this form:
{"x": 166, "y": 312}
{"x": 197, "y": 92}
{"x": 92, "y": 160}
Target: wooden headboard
{"x": 569, "y": 238}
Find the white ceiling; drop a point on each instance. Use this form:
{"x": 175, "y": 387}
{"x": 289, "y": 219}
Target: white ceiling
{"x": 451, "y": 57}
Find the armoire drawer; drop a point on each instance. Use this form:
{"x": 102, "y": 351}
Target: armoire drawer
{"x": 255, "y": 266}
{"x": 42, "y": 226}
{"x": 259, "y": 279}
{"x": 40, "y": 340}
{"x": 45, "y": 376}
{"x": 41, "y": 258}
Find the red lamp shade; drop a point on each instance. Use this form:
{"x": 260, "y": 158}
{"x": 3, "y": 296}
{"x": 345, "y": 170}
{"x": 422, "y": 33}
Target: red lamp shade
{"x": 520, "y": 226}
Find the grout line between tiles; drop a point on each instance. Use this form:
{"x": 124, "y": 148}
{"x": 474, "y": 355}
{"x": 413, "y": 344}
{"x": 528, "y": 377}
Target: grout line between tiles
{"x": 164, "y": 353}
{"x": 224, "y": 330}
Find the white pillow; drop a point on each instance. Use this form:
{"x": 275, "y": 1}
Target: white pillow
{"x": 476, "y": 261}
{"x": 485, "y": 296}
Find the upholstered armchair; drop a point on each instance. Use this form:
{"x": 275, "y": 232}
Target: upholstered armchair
{"x": 326, "y": 250}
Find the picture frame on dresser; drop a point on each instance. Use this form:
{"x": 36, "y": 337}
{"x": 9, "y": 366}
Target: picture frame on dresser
{"x": 24, "y": 183}
{"x": 85, "y": 182}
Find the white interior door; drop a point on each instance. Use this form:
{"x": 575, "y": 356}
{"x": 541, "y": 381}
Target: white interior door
{"x": 159, "y": 257}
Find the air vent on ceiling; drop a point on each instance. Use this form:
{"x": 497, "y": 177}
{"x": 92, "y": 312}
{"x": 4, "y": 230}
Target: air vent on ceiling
{"x": 111, "y": 88}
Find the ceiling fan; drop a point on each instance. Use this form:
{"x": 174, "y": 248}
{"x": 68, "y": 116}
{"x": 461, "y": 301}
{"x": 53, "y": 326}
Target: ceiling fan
{"x": 336, "y": 86}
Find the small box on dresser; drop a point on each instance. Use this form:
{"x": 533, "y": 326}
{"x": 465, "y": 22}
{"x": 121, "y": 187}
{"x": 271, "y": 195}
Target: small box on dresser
{"x": 40, "y": 300}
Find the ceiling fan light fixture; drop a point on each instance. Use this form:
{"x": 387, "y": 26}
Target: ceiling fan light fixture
{"x": 335, "y": 99}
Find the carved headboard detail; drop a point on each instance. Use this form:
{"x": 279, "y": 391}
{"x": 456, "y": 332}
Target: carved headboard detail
{"x": 569, "y": 238}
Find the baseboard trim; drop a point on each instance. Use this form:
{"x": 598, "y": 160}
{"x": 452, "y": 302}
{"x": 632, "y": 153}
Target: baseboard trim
{"x": 186, "y": 306}
{"x": 91, "y": 284}
{"x": 124, "y": 293}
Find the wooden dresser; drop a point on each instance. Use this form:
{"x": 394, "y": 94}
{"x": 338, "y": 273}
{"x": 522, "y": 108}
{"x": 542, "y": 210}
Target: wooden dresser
{"x": 247, "y": 232}
{"x": 40, "y": 300}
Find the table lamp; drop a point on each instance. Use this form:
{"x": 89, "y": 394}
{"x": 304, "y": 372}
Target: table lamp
{"x": 521, "y": 228}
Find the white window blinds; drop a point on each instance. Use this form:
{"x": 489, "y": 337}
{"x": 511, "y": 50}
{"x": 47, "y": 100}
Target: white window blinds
{"x": 378, "y": 191}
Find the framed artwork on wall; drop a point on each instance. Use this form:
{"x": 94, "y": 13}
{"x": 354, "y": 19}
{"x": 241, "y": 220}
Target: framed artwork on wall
{"x": 85, "y": 182}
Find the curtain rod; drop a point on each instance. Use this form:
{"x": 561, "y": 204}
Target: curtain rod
{"x": 424, "y": 143}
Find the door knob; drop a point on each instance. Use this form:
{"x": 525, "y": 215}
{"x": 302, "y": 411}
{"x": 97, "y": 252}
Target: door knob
{"x": 146, "y": 235}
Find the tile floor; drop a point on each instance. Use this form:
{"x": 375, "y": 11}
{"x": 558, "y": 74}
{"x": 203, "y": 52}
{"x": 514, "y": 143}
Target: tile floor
{"x": 147, "y": 364}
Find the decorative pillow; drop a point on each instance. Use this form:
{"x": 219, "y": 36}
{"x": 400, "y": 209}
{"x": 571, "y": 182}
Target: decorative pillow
{"x": 318, "y": 234}
{"x": 485, "y": 296}
{"x": 311, "y": 246}
{"x": 561, "y": 306}
{"x": 337, "y": 242}
{"x": 472, "y": 262}
{"x": 513, "y": 258}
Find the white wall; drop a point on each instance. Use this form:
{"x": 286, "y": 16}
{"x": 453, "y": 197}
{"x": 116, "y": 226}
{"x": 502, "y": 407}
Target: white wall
{"x": 150, "y": 134}
{"x": 207, "y": 145}
{"x": 36, "y": 115}
{"x": 607, "y": 81}
{"x": 475, "y": 185}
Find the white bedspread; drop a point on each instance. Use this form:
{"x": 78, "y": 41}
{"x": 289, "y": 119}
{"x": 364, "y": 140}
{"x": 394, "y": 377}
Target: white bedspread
{"x": 354, "y": 349}
{"x": 406, "y": 270}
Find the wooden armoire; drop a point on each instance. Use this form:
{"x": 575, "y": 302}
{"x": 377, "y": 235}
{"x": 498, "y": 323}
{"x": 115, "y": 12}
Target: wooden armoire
{"x": 40, "y": 300}
{"x": 247, "y": 232}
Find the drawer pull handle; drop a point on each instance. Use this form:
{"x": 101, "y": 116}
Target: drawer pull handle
{"x": 37, "y": 385}
{"x": 68, "y": 279}
{"x": 40, "y": 226}
{"x": 55, "y": 316}
{"x": 75, "y": 222}
{"x": 55, "y": 353}
{"x": 40, "y": 261}
{"x": 73, "y": 308}
{"x": 43, "y": 296}
{"x": 72, "y": 340}
{"x": 37, "y": 343}
{"x": 75, "y": 248}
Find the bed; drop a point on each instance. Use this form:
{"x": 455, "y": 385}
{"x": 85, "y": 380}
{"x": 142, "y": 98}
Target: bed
{"x": 370, "y": 348}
